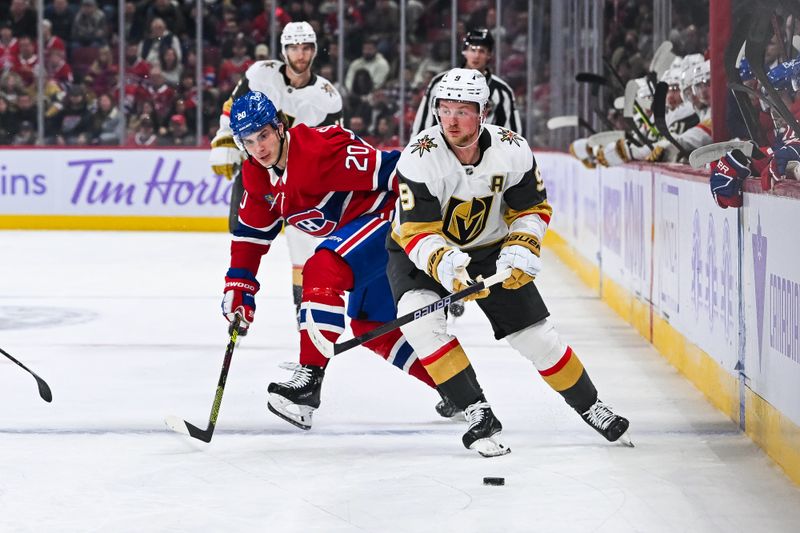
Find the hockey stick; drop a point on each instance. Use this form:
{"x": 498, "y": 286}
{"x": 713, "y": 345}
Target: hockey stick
{"x": 44, "y": 388}
{"x": 660, "y": 118}
{"x": 662, "y": 59}
{"x": 605, "y": 137}
{"x": 712, "y": 152}
{"x": 182, "y": 426}
{"x": 329, "y": 349}
{"x": 569, "y": 121}
{"x": 591, "y": 77}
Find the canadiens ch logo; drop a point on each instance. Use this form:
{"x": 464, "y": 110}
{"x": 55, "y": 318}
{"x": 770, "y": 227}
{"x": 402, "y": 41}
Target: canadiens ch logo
{"x": 423, "y": 145}
{"x": 465, "y": 220}
{"x": 312, "y": 222}
{"x": 509, "y": 136}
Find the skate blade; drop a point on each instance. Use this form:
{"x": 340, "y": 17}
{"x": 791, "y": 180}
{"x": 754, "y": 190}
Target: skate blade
{"x": 490, "y": 446}
{"x": 625, "y": 440}
{"x": 283, "y": 408}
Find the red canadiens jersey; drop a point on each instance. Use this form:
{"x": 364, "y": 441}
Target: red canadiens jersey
{"x": 331, "y": 178}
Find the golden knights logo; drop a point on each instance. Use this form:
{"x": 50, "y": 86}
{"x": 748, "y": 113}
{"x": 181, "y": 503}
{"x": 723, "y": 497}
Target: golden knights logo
{"x": 423, "y": 145}
{"x": 464, "y": 220}
{"x": 509, "y": 136}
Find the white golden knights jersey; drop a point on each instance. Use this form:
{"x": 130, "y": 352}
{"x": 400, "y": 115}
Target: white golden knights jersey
{"x": 316, "y": 104}
{"x": 445, "y": 203}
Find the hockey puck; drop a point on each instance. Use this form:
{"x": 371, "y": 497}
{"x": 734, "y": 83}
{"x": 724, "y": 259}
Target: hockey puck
{"x": 496, "y": 481}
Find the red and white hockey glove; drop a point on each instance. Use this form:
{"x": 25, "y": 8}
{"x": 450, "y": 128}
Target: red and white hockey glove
{"x": 783, "y": 164}
{"x": 726, "y": 179}
{"x": 240, "y": 289}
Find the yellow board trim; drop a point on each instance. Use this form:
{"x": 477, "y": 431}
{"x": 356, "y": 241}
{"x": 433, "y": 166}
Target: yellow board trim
{"x": 115, "y": 223}
{"x": 778, "y": 436}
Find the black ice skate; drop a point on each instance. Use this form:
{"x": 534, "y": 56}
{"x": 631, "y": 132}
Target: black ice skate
{"x": 295, "y": 400}
{"x": 448, "y": 409}
{"x": 484, "y": 430}
{"x": 610, "y": 425}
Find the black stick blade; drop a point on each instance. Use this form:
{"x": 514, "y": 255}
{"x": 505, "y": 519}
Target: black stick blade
{"x": 179, "y": 425}
{"x": 44, "y": 389}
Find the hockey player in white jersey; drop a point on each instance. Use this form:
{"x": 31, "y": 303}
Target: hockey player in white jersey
{"x": 471, "y": 203}
{"x": 301, "y": 97}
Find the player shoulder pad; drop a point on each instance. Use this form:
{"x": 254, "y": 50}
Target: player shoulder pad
{"x": 331, "y": 102}
{"x": 513, "y": 146}
{"x": 425, "y": 155}
{"x": 263, "y": 72}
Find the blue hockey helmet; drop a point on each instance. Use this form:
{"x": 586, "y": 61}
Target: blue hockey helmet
{"x": 250, "y": 113}
{"x": 780, "y": 76}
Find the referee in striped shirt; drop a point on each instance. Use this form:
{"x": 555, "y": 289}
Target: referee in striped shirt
{"x": 477, "y": 52}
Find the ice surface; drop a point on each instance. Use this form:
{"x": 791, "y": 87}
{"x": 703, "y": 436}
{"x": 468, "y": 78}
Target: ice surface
{"x": 126, "y": 329}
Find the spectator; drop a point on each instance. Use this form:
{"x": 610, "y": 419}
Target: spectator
{"x": 169, "y": 13}
{"x": 25, "y": 63}
{"x": 51, "y": 42}
{"x": 9, "y": 47}
{"x": 178, "y": 134}
{"x": 89, "y": 26}
{"x": 438, "y": 61}
{"x": 61, "y": 14}
{"x": 58, "y": 70}
{"x": 357, "y": 125}
{"x": 73, "y": 124}
{"x": 232, "y": 69}
{"x": 171, "y": 67}
{"x": 105, "y": 122}
{"x": 102, "y": 74}
{"x": 262, "y": 53}
{"x": 160, "y": 39}
{"x": 26, "y": 107}
{"x": 372, "y": 61}
{"x": 22, "y": 18}
{"x": 26, "y": 134}
{"x": 8, "y": 121}
{"x": 145, "y": 135}
{"x": 357, "y": 100}
{"x": 385, "y": 136}
{"x": 161, "y": 95}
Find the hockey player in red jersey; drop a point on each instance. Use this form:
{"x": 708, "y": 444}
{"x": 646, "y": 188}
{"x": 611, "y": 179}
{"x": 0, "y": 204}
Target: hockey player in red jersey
{"x": 330, "y": 184}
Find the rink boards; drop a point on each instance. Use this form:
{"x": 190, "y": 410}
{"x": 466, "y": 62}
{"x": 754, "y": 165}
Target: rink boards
{"x": 717, "y": 291}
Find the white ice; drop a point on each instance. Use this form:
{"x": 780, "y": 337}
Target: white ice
{"x": 126, "y": 329}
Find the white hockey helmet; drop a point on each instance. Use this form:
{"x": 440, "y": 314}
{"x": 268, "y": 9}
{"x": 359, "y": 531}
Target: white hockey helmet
{"x": 689, "y": 62}
{"x": 643, "y": 94}
{"x": 298, "y": 33}
{"x": 462, "y": 85}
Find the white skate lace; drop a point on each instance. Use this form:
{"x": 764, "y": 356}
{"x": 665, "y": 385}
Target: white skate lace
{"x": 474, "y": 413}
{"x": 600, "y": 415}
{"x": 300, "y": 378}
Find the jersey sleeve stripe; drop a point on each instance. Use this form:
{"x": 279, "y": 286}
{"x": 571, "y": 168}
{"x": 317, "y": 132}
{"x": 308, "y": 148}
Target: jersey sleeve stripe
{"x": 410, "y": 233}
{"x": 385, "y": 170}
{"x": 543, "y": 209}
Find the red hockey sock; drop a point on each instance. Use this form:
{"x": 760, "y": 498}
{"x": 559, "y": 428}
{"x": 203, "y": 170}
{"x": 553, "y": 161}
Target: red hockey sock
{"x": 325, "y": 278}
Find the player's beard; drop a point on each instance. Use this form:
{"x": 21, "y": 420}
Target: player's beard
{"x": 462, "y": 139}
{"x": 296, "y": 66}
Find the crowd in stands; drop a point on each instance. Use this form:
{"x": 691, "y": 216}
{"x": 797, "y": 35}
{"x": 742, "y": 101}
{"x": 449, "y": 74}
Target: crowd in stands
{"x": 160, "y": 98}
